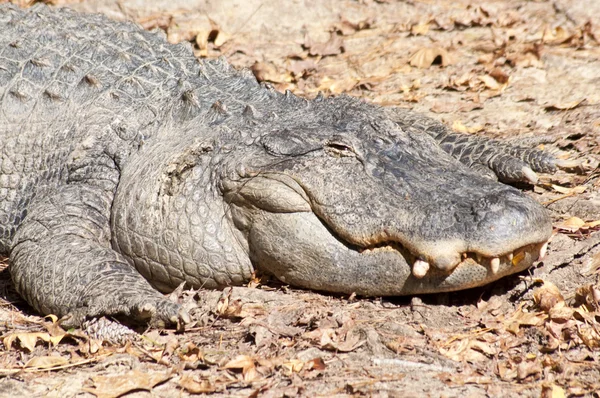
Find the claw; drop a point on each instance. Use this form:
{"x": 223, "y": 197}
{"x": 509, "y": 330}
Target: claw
{"x": 530, "y": 175}
{"x": 543, "y": 251}
{"x": 567, "y": 163}
{"x": 495, "y": 265}
{"x": 420, "y": 268}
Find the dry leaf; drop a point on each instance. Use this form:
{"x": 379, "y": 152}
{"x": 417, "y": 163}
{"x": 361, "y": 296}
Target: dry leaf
{"x": 316, "y": 364}
{"x": 29, "y": 340}
{"x": 293, "y": 366}
{"x": 521, "y": 318}
{"x": 526, "y": 369}
{"x": 562, "y": 106}
{"x": 347, "y": 28}
{"x": 461, "y": 128}
{"x": 46, "y": 362}
{"x": 333, "y": 46}
{"x": 420, "y": 29}
{"x": 553, "y": 391}
{"x": 247, "y": 364}
{"x": 557, "y": 35}
{"x": 191, "y": 385}
{"x": 426, "y": 57}
{"x": 268, "y": 72}
{"x": 116, "y": 386}
{"x": 576, "y": 224}
{"x": 548, "y": 296}
{"x": 336, "y": 86}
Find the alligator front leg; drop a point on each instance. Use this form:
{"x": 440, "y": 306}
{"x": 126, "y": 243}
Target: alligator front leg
{"x": 504, "y": 161}
{"x": 62, "y": 262}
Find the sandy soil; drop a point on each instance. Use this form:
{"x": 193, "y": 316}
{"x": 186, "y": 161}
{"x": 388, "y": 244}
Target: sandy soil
{"x": 526, "y": 71}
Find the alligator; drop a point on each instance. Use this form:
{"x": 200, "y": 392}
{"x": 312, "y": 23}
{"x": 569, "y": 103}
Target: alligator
{"x": 129, "y": 167}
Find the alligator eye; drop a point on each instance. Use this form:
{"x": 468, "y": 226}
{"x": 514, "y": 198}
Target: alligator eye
{"x": 338, "y": 149}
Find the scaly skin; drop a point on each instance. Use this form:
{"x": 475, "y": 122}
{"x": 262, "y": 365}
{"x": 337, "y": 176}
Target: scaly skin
{"x": 126, "y": 166}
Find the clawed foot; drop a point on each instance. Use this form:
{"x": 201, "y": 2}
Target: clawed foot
{"x": 154, "y": 309}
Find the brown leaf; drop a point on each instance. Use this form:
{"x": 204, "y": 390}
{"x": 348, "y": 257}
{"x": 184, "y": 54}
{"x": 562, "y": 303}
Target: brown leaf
{"x": 302, "y": 68}
{"x": 461, "y": 128}
{"x": 293, "y": 366}
{"x": 189, "y": 383}
{"x": 420, "y": 29}
{"x": 521, "y": 318}
{"x": 548, "y": 296}
{"x": 426, "y": 57}
{"x": 46, "y": 362}
{"x": 562, "y": 106}
{"x": 557, "y": 35}
{"x": 116, "y": 386}
{"x": 348, "y": 28}
{"x": 239, "y": 362}
{"x": 337, "y": 86}
{"x": 576, "y": 224}
{"x": 247, "y": 364}
{"x": 268, "y": 72}
{"x": 333, "y": 46}
{"x": 29, "y": 340}
{"x": 316, "y": 364}
{"x": 553, "y": 391}
{"x": 499, "y": 75}
{"x": 526, "y": 369}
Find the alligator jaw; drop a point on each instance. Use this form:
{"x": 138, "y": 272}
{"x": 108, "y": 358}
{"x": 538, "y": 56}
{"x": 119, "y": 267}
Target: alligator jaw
{"x": 336, "y": 266}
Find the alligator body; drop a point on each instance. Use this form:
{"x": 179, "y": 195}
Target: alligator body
{"x": 128, "y": 167}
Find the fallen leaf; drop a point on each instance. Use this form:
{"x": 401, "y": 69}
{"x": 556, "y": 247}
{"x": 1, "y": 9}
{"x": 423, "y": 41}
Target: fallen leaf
{"x": 576, "y": 224}
{"x": 116, "y": 386}
{"x": 425, "y": 57}
{"x": 526, "y": 369}
{"x": 293, "y": 366}
{"x": 563, "y": 106}
{"x": 347, "y": 28}
{"x": 557, "y": 35}
{"x": 420, "y": 29}
{"x": 246, "y": 364}
{"x": 458, "y": 126}
{"x": 46, "y": 362}
{"x": 553, "y": 391}
{"x": 29, "y": 340}
{"x": 268, "y": 72}
{"x": 499, "y": 75}
{"x": 522, "y": 318}
{"x": 548, "y": 296}
{"x": 333, "y": 46}
{"x": 316, "y": 364}
{"x": 189, "y": 383}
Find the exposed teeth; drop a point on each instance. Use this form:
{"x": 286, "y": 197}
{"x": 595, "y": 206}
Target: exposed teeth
{"x": 495, "y": 265}
{"x": 510, "y": 256}
{"x": 420, "y": 268}
{"x": 543, "y": 250}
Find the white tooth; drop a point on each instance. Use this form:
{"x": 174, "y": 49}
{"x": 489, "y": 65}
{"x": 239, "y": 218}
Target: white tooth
{"x": 420, "y": 268}
{"x": 495, "y": 265}
{"x": 510, "y": 256}
{"x": 543, "y": 250}
{"x": 479, "y": 257}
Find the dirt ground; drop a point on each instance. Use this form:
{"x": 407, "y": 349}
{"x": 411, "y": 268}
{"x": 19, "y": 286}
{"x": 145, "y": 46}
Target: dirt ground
{"x": 527, "y": 71}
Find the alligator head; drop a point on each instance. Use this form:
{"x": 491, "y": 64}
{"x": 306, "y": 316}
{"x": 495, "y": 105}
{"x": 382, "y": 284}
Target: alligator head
{"x": 329, "y": 195}
{"x": 369, "y": 208}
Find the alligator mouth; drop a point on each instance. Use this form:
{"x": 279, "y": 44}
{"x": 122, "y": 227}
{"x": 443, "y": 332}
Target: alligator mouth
{"x": 420, "y": 267}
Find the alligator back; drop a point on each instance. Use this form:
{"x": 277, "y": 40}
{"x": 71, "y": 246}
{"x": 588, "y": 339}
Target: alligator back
{"x": 67, "y": 77}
